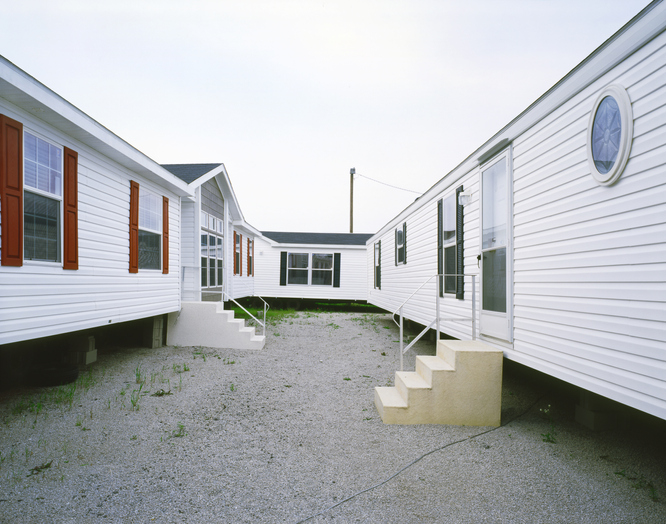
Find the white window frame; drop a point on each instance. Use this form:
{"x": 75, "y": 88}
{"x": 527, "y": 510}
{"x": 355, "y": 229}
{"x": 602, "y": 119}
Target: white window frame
{"x": 146, "y": 195}
{"x": 44, "y": 194}
{"x": 400, "y": 244}
{"x": 449, "y": 244}
{"x": 309, "y": 269}
{"x": 211, "y": 232}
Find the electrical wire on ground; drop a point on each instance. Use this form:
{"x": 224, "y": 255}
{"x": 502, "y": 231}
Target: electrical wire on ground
{"x": 420, "y": 458}
{"x": 389, "y": 185}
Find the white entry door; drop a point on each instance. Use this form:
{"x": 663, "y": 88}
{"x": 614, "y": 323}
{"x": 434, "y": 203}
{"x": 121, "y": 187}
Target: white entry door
{"x": 495, "y": 248}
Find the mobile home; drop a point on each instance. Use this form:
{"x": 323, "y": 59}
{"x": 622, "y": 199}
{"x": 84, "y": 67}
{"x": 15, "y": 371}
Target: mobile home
{"x": 552, "y": 234}
{"x": 90, "y": 226}
{"x": 330, "y": 266}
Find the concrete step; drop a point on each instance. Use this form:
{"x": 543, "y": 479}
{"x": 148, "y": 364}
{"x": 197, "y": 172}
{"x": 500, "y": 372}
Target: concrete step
{"x": 462, "y": 385}
{"x": 208, "y": 324}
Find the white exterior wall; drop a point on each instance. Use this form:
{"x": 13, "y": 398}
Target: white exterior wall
{"x": 353, "y": 272}
{"x": 42, "y": 299}
{"x": 191, "y": 258}
{"x": 399, "y": 282}
{"x": 589, "y": 262}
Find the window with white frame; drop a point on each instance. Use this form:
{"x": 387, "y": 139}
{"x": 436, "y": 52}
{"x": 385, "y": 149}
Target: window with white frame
{"x": 449, "y": 242}
{"x": 150, "y": 230}
{"x": 315, "y": 269}
{"x": 212, "y": 251}
{"x": 42, "y": 199}
{"x": 250, "y": 257}
{"x": 378, "y": 265}
{"x": 401, "y": 244}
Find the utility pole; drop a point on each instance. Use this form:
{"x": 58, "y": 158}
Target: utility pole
{"x": 352, "y": 172}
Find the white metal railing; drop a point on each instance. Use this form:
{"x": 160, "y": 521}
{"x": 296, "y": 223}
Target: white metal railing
{"x": 438, "y": 318}
{"x": 225, "y": 296}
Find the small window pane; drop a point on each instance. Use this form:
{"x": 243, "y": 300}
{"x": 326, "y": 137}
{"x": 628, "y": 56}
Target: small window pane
{"x": 149, "y": 250}
{"x": 449, "y": 219}
{"x": 150, "y": 212}
{"x": 450, "y": 269}
{"x": 606, "y": 135}
{"x": 220, "y": 248}
{"x": 298, "y": 260}
{"x": 297, "y": 276}
{"x": 322, "y": 278}
{"x": 219, "y": 273}
{"x": 211, "y": 243}
{"x": 494, "y": 280}
{"x": 41, "y": 228}
{"x": 322, "y": 261}
{"x": 204, "y": 220}
{"x": 212, "y": 272}
{"x": 204, "y": 272}
{"x": 204, "y": 245}
{"x": 494, "y": 206}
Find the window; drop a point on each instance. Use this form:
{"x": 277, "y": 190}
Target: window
{"x": 298, "y": 268}
{"x": 313, "y": 269}
{"x": 39, "y": 199}
{"x": 250, "y": 257}
{"x": 322, "y": 269}
{"x": 238, "y": 253}
{"x": 42, "y": 199}
{"x": 401, "y": 244}
{"x": 149, "y": 230}
{"x": 450, "y": 260}
{"x": 212, "y": 251}
{"x": 609, "y": 135}
{"x": 378, "y": 265}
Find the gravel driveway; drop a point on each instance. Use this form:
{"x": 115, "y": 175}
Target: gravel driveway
{"x": 291, "y": 434}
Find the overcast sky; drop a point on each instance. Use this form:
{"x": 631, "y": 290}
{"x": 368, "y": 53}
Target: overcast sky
{"x": 291, "y": 94}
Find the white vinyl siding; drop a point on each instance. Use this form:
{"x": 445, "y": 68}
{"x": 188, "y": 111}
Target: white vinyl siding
{"x": 43, "y": 300}
{"x": 590, "y": 291}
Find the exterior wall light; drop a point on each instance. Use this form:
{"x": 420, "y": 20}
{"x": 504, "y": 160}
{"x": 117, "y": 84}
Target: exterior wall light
{"x": 464, "y": 198}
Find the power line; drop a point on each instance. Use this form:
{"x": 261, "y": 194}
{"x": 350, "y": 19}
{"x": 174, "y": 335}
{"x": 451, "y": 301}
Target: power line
{"x": 389, "y": 185}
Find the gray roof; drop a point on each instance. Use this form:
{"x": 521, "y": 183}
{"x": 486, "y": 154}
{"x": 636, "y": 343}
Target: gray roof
{"x": 349, "y": 239}
{"x": 189, "y": 172}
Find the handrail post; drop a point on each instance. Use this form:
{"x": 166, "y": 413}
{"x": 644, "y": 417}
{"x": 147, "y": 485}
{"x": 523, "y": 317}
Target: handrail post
{"x": 437, "y": 309}
{"x": 263, "y": 331}
{"x": 401, "y": 340}
{"x": 473, "y": 307}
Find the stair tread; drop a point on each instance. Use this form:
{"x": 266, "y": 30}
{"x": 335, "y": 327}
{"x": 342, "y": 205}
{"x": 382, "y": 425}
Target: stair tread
{"x": 435, "y": 363}
{"x": 390, "y": 397}
{"x": 412, "y": 380}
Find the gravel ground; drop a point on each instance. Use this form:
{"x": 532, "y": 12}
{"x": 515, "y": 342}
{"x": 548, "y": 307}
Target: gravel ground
{"x": 291, "y": 434}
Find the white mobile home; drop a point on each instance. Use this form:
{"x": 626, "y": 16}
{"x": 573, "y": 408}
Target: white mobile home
{"x": 561, "y": 219}
{"x": 311, "y": 265}
{"x": 90, "y": 226}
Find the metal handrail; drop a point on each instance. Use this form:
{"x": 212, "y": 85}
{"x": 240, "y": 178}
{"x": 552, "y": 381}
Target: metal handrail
{"x": 228, "y": 297}
{"x": 437, "y": 314}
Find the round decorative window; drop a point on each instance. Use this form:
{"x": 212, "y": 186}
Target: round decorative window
{"x": 609, "y": 135}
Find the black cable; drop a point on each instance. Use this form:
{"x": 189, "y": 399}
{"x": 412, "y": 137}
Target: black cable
{"x": 418, "y": 459}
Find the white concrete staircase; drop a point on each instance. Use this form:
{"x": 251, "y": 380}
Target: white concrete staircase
{"x": 208, "y": 324}
{"x": 461, "y": 386}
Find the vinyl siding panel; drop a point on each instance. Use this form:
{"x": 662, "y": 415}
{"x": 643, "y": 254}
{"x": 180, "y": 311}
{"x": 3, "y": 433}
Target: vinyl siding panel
{"x": 42, "y": 299}
{"x": 589, "y": 261}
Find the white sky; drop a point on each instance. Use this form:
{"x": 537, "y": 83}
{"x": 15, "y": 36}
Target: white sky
{"x": 290, "y": 94}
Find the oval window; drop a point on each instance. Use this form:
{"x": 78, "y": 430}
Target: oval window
{"x": 609, "y": 135}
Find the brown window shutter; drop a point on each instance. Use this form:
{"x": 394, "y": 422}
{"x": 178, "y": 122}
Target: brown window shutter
{"x": 235, "y": 269}
{"x": 252, "y": 258}
{"x": 11, "y": 191}
{"x": 240, "y": 257}
{"x": 249, "y": 268}
{"x": 165, "y": 235}
{"x": 71, "y": 206}
{"x": 134, "y": 228}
